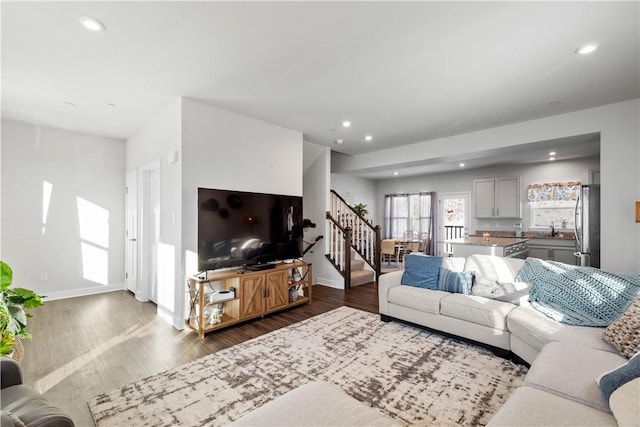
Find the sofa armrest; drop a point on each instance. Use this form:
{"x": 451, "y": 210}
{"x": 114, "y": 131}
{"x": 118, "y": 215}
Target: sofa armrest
{"x": 10, "y": 372}
{"x": 386, "y": 282}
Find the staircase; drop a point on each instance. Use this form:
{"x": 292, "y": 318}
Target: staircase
{"x": 353, "y": 244}
{"x": 359, "y": 274}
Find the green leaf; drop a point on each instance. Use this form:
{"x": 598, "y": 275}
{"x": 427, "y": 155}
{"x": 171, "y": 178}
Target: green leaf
{"x": 26, "y": 297}
{"x": 13, "y": 302}
{"x": 17, "y": 318}
{"x": 6, "y": 276}
{"x": 6, "y": 346}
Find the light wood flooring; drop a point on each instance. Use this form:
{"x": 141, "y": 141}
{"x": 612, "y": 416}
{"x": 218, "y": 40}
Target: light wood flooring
{"x": 84, "y": 346}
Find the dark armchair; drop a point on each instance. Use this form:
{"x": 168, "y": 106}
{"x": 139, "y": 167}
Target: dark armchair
{"x": 22, "y": 405}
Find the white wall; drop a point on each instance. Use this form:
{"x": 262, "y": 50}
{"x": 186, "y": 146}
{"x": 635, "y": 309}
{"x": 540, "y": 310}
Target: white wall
{"x": 316, "y": 199}
{"x": 224, "y": 150}
{"x": 462, "y": 181}
{"x": 80, "y": 244}
{"x": 216, "y": 149}
{"x": 152, "y": 143}
{"x": 360, "y": 190}
{"x": 619, "y": 128}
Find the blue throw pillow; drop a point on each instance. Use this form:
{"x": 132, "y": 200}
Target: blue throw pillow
{"x": 455, "y": 282}
{"x": 421, "y": 271}
{"x": 615, "y": 379}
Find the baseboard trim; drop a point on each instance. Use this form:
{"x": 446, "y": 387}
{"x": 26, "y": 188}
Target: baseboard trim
{"x": 330, "y": 283}
{"x": 170, "y": 317}
{"x": 72, "y": 293}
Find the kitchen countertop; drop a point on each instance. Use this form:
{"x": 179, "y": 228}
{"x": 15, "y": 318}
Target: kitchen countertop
{"x": 560, "y": 234}
{"x": 492, "y": 241}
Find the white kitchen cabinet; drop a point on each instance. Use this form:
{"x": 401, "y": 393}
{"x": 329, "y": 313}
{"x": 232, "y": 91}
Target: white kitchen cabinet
{"x": 497, "y": 198}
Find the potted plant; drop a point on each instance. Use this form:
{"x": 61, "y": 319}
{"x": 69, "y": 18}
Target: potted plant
{"x": 13, "y": 317}
{"x": 361, "y": 209}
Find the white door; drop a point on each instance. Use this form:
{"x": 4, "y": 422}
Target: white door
{"x": 154, "y": 230}
{"x": 131, "y": 232}
{"x": 453, "y": 211}
{"x": 150, "y": 226}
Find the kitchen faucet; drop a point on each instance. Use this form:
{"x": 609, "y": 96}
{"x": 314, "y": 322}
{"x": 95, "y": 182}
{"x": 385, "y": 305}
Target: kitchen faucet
{"x": 553, "y": 230}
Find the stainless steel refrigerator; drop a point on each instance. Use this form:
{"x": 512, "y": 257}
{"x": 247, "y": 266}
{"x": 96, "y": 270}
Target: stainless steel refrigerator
{"x": 587, "y": 226}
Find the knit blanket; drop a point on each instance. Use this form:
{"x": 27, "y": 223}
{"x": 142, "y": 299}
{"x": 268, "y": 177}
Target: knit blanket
{"x": 581, "y": 296}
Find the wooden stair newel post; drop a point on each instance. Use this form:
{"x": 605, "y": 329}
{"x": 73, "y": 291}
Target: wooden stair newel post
{"x": 347, "y": 257}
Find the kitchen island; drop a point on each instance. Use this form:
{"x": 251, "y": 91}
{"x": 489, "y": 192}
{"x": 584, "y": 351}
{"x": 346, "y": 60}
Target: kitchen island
{"x": 512, "y": 247}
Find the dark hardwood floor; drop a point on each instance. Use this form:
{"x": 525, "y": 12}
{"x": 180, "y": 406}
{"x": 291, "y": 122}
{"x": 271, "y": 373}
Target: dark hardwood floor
{"x": 87, "y": 345}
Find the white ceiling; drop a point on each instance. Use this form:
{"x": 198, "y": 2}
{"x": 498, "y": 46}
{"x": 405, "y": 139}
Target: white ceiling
{"x": 404, "y": 72}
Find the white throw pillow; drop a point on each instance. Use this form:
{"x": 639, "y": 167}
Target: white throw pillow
{"x": 625, "y": 404}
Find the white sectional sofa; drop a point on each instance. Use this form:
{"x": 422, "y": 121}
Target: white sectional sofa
{"x": 503, "y": 326}
{"x": 560, "y": 388}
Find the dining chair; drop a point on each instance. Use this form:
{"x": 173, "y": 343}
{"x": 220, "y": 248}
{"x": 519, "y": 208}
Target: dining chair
{"x": 424, "y": 240}
{"x": 410, "y": 235}
{"x": 388, "y": 249}
{"x": 405, "y": 247}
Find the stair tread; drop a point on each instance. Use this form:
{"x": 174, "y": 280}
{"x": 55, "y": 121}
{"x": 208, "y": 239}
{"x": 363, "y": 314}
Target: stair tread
{"x": 357, "y": 265}
{"x": 362, "y": 273}
{"x": 361, "y": 277}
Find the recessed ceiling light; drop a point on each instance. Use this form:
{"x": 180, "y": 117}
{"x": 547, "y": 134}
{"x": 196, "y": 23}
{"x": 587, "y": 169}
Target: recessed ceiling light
{"x": 69, "y": 104}
{"x": 346, "y": 124}
{"x": 395, "y": 173}
{"x": 551, "y": 159}
{"x": 111, "y": 105}
{"x": 461, "y": 165}
{"x": 552, "y": 153}
{"x": 91, "y": 23}
{"x": 339, "y": 141}
{"x": 554, "y": 104}
{"x": 368, "y": 138}
{"x": 587, "y": 48}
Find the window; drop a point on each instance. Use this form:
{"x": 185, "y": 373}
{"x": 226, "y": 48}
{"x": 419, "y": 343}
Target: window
{"x": 561, "y": 213}
{"x": 397, "y": 215}
{"x": 408, "y": 212}
{"x": 553, "y": 203}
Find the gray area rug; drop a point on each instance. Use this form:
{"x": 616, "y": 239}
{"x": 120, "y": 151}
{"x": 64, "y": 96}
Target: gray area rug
{"x": 412, "y": 375}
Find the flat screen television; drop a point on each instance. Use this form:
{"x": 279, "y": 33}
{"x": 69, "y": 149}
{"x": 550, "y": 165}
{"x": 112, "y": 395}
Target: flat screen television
{"x": 237, "y": 228}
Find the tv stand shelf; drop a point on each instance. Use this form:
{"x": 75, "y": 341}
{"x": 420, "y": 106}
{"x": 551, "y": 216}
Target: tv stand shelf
{"x": 256, "y": 293}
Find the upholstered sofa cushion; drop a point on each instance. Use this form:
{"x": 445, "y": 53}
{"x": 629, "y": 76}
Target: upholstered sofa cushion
{"x": 625, "y": 404}
{"x": 8, "y": 419}
{"x": 417, "y": 298}
{"x": 537, "y": 330}
{"x": 529, "y": 406}
{"x": 490, "y": 270}
{"x": 318, "y": 404}
{"x": 32, "y": 408}
{"x": 477, "y": 310}
{"x": 569, "y": 370}
{"x": 454, "y": 263}
{"x": 22, "y": 404}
